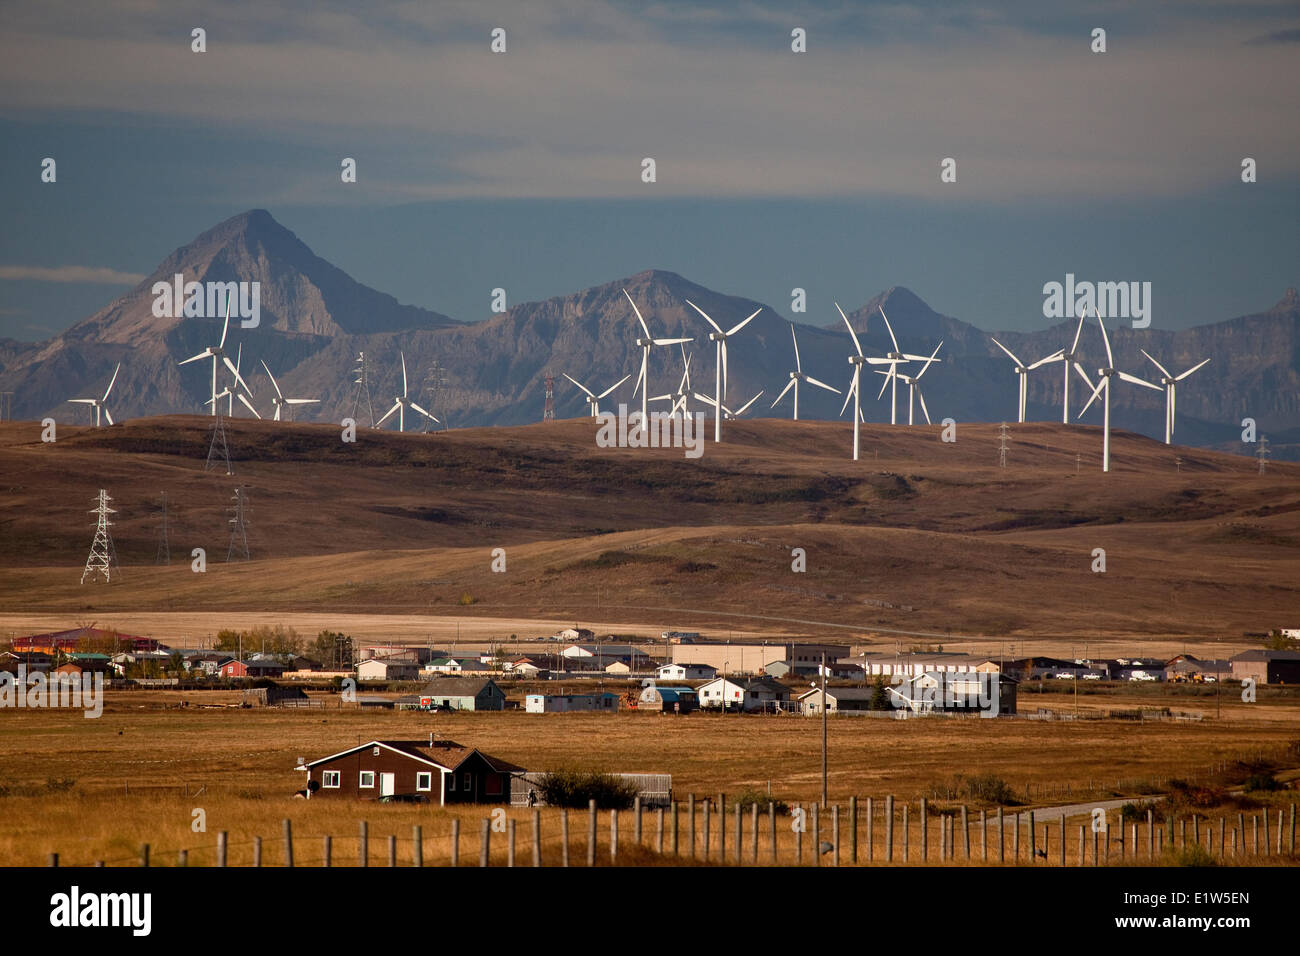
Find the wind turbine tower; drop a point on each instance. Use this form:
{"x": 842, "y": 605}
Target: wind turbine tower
{"x": 719, "y": 338}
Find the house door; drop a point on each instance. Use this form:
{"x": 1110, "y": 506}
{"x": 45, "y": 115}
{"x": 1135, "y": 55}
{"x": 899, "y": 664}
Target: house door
{"x": 386, "y": 784}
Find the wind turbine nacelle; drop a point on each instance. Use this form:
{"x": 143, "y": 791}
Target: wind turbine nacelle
{"x": 645, "y": 343}
{"x": 717, "y": 337}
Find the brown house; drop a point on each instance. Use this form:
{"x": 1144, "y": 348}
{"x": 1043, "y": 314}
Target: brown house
{"x": 440, "y": 771}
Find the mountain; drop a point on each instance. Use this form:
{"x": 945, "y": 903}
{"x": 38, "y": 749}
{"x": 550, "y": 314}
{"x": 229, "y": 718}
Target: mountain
{"x": 315, "y": 319}
{"x": 306, "y": 303}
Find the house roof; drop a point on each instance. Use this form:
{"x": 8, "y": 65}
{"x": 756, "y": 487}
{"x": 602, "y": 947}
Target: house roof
{"x": 456, "y": 686}
{"x": 446, "y": 754}
{"x": 842, "y": 693}
{"x": 1267, "y": 655}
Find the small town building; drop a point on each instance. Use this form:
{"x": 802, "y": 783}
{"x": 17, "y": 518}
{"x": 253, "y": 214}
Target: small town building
{"x": 387, "y": 668}
{"x": 840, "y": 700}
{"x": 686, "y": 671}
{"x": 462, "y": 693}
{"x": 563, "y": 703}
{"x": 1267, "y": 667}
{"x": 670, "y": 699}
{"x": 441, "y": 771}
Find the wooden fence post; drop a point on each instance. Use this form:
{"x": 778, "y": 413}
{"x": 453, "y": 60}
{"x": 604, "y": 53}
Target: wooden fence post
{"x": 906, "y": 833}
{"x": 257, "y": 851}
{"x": 817, "y": 833}
{"x": 965, "y": 829}
{"x": 1095, "y": 839}
{"x": 417, "y": 846}
{"x": 835, "y": 834}
{"x": 222, "y": 842}
{"x": 1062, "y": 838}
{"x": 722, "y": 828}
{"x": 564, "y": 838}
{"x": 1033, "y": 839}
{"x": 771, "y": 824}
{"x": 455, "y": 841}
{"x": 853, "y": 829}
{"x": 1015, "y": 839}
{"x": 485, "y": 843}
{"x": 144, "y": 854}
{"x": 182, "y": 858}
{"x": 613, "y": 835}
{"x": 636, "y": 825}
{"x": 328, "y": 849}
{"x": 288, "y": 842}
{"x": 54, "y": 860}
{"x": 1151, "y": 836}
{"x": 1002, "y": 843}
{"x": 676, "y": 828}
{"x": 1292, "y": 829}
{"x": 1222, "y": 827}
{"x": 363, "y": 847}
{"x": 870, "y": 835}
{"x": 392, "y": 849}
{"x": 753, "y": 832}
{"x": 740, "y": 843}
{"x": 984, "y": 835}
{"x": 704, "y": 828}
{"x": 591, "y": 832}
{"x": 925, "y": 830}
{"x": 1083, "y": 843}
{"x": 537, "y": 838}
{"x": 510, "y": 843}
{"x": 659, "y": 830}
{"x": 889, "y": 828}
{"x": 1241, "y": 829}
{"x": 798, "y": 840}
{"x": 1266, "y": 830}
{"x": 690, "y": 821}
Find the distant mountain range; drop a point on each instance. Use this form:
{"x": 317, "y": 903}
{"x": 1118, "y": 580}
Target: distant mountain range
{"x": 315, "y": 319}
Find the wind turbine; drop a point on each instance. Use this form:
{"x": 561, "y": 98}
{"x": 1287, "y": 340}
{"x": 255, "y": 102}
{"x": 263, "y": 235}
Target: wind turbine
{"x": 1103, "y": 385}
{"x": 401, "y": 403}
{"x": 1170, "y": 382}
{"x": 592, "y": 398}
{"x": 679, "y": 397}
{"x": 228, "y": 394}
{"x": 798, "y": 376}
{"x": 855, "y": 392}
{"x": 98, "y": 403}
{"x": 913, "y": 383}
{"x": 727, "y": 412}
{"x": 218, "y": 356}
{"x": 719, "y": 338}
{"x": 646, "y": 344}
{"x": 1023, "y": 370}
{"x": 280, "y": 401}
{"x": 1071, "y": 360}
{"x": 895, "y": 358}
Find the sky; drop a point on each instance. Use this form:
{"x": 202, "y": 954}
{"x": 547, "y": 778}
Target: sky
{"x": 774, "y": 169}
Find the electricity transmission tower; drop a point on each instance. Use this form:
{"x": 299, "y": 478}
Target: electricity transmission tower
{"x": 1002, "y": 445}
{"x": 218, "y": 452}
{"x": 435, "y": 386}
{"x": 362, "y": 383}
{"x": 103, "y": 558}
{"x": 164, "y": 544}
{"x": 1262, "y": 453}
{"x": 238, "y": 527}
{"x": 6, "y": 406}
{"x": 548, "y": 413}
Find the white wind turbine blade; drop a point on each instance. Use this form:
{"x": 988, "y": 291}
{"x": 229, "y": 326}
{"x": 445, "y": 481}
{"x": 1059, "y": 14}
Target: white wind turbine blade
{"x": 798, "y": 367}
{"x": 274, "y": 383}
{"x": 645, "y": 327}
{"x": 584, "y": 387}
{"x": 931, "y": 359}
{"x": 857, "y": 345}
{"x": 661, "y": 398}
{"x": 1077, "y": 332}
{"x": 1101, "y": 384}
{"x": 724, "y": 366}
{"x": 670, "y": 341}
{"x": 848, "y": 394}
{"x": 1057, "y": 356}
{"x": 403, "y": 354}
{"x": 921, "y": 399}
{"x": 1137, "y": 381}
{"x": 1110, "y": 357}
{"x": 388, "y": 414}
{"x": 1178, "y": 378}
{"x": 85, "y": 401}
{"x": 119, "y": 368}
{"x": 744, "y": 407}
{"x": 716, "y": 327}
{"x": 202, "y": 355}
{"x": 225, "y": 327}
{"x": 705, "y": 399}
{"x": 606, "y": 391}
{"x": 239, "y": 379}
{"x": 108, "y": 415}
{"x": 301, "y": 401}
{"x": 248, "y": 404}
{"x": 424, "y": 413}
{"x": 740, "y": 325}
{"x": 889, "y": 376}
{"x": 812, "y": 381}
{"x": 1164, "y": 370}
{"x": 788, "y": 386}
{"x": 889, "y": 327}
{"x": 1010, "y": 354}
{"x": 1084, "y": 375}
{"x": 640, "y": 379}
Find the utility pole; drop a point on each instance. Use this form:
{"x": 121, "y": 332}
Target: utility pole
{"x": 825, "y": 708}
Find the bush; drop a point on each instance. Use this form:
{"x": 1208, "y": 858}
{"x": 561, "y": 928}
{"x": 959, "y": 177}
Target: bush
{"x": 1191, "y": 856}
{"x": 575, "y": 789}
{"x": 467, "y": 598}
{"x": 748, "y": 798}
{"x": 1136, "y": 812}
{"x": 990, "y": 789}
{"x": 1261, "y": 781}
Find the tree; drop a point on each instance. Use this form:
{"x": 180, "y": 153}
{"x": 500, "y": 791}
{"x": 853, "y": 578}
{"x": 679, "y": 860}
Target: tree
{"x": 879, "y": 694}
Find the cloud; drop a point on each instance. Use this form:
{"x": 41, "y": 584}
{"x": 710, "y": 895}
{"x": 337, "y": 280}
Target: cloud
{"x": 90, "y": 274}
{"x": 588, "y": 88}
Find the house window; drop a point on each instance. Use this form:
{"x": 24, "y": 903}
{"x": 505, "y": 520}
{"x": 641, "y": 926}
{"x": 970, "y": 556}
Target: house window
{"x": 367, "y": 779}
{"x": 451, "y": 781}
{"x": 424, "y": 781}
{"x": 494, "y": 785}
{"x": 468, "y": 781}
{"x": 330, "y": 778}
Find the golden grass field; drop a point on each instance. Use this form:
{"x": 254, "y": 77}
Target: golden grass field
{"x": 921, "y": 542}
{"x": 134, "y": 766}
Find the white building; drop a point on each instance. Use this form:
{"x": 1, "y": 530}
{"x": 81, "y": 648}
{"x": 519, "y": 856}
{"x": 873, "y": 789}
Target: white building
{"x": 687, "y": 672}
{"x": 378, "y": 668}
{"x": 563, "y": 703}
